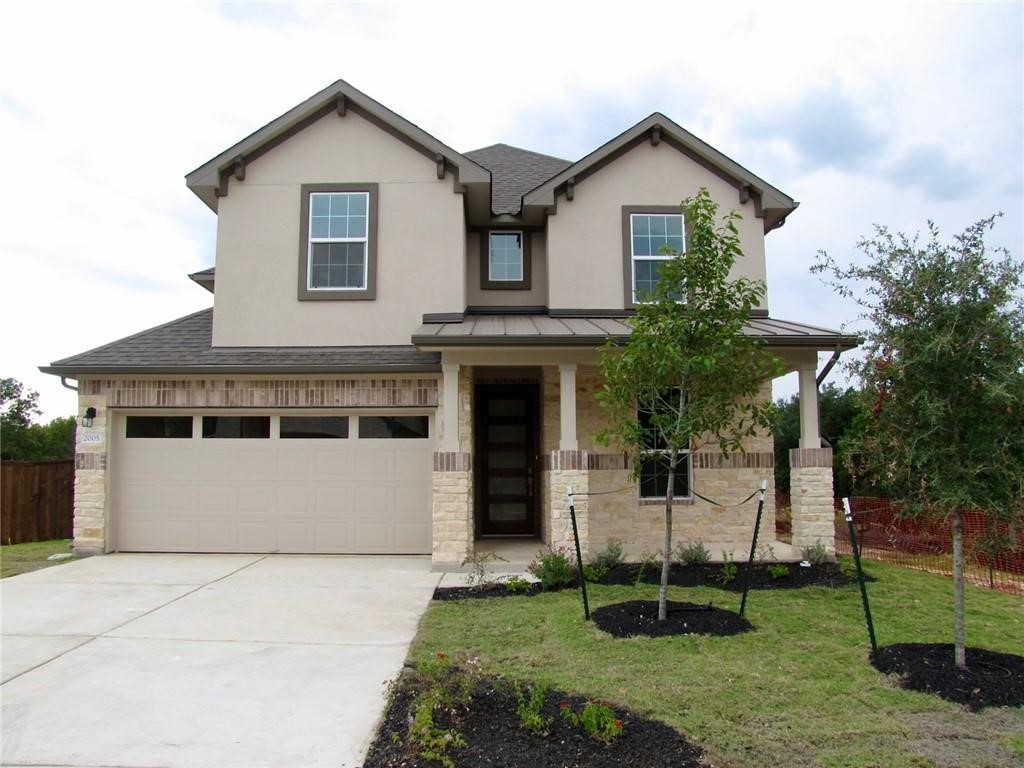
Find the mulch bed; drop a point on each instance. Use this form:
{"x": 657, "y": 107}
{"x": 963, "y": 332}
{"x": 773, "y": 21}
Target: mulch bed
{"x": 482, "y": 591}
{"x": 991, "y": 679}
{"x": 640, "y": 617}
{"x": 496, "y": 739}
{"x": 824, "y": 575}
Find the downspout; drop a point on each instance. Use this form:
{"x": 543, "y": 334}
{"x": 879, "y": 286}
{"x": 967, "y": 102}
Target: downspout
{"x": 64, "y": 383}
{"x": 817, "y": 383}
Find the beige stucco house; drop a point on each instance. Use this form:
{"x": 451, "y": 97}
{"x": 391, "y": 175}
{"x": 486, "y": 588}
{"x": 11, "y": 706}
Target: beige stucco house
{"x": 401, "y": 353}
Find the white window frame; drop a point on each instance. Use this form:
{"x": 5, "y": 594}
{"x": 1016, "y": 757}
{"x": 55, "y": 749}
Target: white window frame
{"x": 686, "y": 455}
{"x": 655, "y": 257}
{"x": 522, "y": 255}
{"x": 365, "y": 240}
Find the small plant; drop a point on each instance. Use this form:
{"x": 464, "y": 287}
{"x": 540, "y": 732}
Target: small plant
{"x": 595, "y": 718}
{"x": 816, "y": 554}
{"x": 778, "y": 571}
{"x": 529, "y": 710}
{"x": 594, "y": 573}
{"x": 729, "y": 569}
{"x": 444, "y": 688}
{"x": 609, "y": 557}
{"x": 477, "y": 575}
{"x": 648, "y": 562}
{"x": 552, "y": 568}
{"x": 694, "y": 553}
{"x": 517, "y": 585}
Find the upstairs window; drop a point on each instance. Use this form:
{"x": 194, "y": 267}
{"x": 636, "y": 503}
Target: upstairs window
{"x": 505, "y": 261}
{"x": 650, "y": 233}
{"x": 338, "y": 243}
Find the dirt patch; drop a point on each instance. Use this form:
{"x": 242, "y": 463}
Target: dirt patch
{"x": 483, "y": 591}
{"x": 991, "y": 679}
{"x": 795, "y": 577}
{"x": 495, "y": 737}
{"x": 954, "y": 739}
{"x": 640, "y": 617}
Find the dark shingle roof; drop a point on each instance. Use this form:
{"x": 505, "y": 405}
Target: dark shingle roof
{"x": 183, "y": 346}
{"x": 514, "y": 172}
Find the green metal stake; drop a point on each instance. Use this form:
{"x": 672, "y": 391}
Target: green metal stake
{"x": 860, "y": 577}
{"x": 753, "y": 546}
{"x": 579, "y": 556}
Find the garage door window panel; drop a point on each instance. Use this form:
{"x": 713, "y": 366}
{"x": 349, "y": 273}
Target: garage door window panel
{"x": 394, "y": 427}
{"x": 158, "y": 427}
{"x": 314, "y": 427}
{"x": 236, "y": 427}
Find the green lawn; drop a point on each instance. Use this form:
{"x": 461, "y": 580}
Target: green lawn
{"x": 797, "y": 691}
{"x": 22, "y": 558}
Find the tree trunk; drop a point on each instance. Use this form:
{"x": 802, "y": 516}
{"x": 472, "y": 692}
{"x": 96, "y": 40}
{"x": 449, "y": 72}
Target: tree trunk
{"x": 959, "y": 635}
{"x": 666, "y": 557}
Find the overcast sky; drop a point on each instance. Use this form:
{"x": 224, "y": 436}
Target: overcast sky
{"x": 892, "y": 113}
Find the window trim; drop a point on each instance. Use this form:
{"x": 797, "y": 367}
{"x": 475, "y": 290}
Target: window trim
{"x": 486, "y": 284}
{"x": 367, "y": 293}
{"x": 628, "y": 272}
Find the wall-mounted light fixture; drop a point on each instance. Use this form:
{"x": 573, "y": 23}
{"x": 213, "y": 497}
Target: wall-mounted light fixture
{"x": 90, "y": 414}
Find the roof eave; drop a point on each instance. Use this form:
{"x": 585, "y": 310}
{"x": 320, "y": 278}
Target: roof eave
{"x": 139, "y": 370}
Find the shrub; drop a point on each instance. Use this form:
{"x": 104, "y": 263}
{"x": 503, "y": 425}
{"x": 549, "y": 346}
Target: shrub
{"x": 552, "y": 568}
{"x": 816, "y": 554}
{"x": 648, "y": 562}
{"x": 517, "y": 585}
{"x": 477, "y": 575}
{"x": 694, "y": 553}
{"x": 609, "y": 557}
{"x": 442, "y": 687}
{"x": 529, "y": 710}
{"x": 729, "y": 569}
{"x": 778, "y": 571}
{"x": 594, "y": 573}
{"x": 595, "y": 718}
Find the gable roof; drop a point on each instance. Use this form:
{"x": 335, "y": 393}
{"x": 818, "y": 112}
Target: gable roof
{"x": 514, "y": 172}
{"x": 185, "y": 346}
{"x": 771, "y": 204}
{"x": 210, "y": 180}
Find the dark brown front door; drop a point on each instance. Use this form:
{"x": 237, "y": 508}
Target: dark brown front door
{"x": 507, "y": 455}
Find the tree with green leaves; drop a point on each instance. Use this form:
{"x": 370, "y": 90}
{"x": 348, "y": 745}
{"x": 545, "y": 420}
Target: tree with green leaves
{"x": 688, "y": 376}
{"x": 23, "y": 440}
{"x": 944, "y": 367}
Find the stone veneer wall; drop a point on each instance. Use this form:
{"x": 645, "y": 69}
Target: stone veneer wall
{"x": 812, "y": 497}
{"x": 454, "y": 528}
{"x": 92, "y": 447}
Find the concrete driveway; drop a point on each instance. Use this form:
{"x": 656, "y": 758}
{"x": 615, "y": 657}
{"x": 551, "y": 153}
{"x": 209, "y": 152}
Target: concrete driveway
{"x": 204, "y": 660}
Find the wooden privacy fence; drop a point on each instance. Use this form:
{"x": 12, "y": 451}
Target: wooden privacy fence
{"x": 36, "y": 500}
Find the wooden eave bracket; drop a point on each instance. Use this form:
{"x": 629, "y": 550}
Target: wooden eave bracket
{"x": 439, "y": 159}
{"x": 570, "y": 189}
{"x": 341, "y": 104}
{"x": 744, "y": 193}
{"x": 655, "y": 135}
{"x": 238, "y": 169}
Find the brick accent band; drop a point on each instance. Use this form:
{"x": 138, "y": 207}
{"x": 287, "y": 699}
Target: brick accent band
{"x": 752, "y": 460}
{"x": 264, "y": 393}
{"x": 452, "y": 461}
{"x": 598, "y": 461}
{"x": 90, "y": 461}
{"x": 565, "y": 460}
{"x": 810, "y": 457}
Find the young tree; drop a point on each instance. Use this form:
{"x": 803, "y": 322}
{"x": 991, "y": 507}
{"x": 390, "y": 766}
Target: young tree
{"x": 945, "y": 366}
{"x": 688, "y": 375}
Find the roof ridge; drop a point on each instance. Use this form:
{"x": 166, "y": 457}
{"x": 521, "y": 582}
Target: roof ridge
{"x": 519, "y": 149}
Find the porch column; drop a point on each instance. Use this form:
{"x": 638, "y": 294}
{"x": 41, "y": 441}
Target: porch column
{"x": 810, "y": 431}
{"x": 567, "y": 400}
{"x": 810, "y": 473}
{"x": 452, "y": 500}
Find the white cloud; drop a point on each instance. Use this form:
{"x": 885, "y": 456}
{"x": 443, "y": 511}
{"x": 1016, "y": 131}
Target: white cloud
{"x": 104, "y": 108}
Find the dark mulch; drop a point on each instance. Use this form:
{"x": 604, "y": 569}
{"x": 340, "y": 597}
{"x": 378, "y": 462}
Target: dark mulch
{"x": 825, "y": 575}
{"x": 482, "y": 591}
{"x": 496, "y": 739}
{"x": 640, "y": 617}
{"x": 991, "y": 679}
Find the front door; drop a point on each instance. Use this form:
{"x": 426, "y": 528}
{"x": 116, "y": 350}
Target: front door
{"x": 506, "y": 459}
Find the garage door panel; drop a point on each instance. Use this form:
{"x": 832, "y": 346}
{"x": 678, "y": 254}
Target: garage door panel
{"x": 345, "y": 495}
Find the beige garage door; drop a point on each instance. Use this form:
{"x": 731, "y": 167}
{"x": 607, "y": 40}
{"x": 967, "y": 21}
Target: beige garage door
{"x": 223, "y": 482}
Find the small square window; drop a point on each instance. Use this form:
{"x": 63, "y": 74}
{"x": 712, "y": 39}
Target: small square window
{"x": 505, "y": 261}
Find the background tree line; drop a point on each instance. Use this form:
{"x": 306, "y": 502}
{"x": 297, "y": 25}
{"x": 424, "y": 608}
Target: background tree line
{"x": 21, "y": 438}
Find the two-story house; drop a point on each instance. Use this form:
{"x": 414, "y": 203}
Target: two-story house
{"x": 401, "y": 356}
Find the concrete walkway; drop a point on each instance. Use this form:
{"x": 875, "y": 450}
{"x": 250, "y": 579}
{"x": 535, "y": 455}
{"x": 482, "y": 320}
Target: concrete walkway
{"x": 204, "y": 660}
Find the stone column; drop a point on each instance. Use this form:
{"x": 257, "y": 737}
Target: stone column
{"x": 91, "y": 450}
{"x": 568, "y": 469}
{"x": 453, "y": 528}
{"x": 811, "y": 497}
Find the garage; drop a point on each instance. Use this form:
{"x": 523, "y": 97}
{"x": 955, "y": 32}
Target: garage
{"x": 299, "y": 482}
